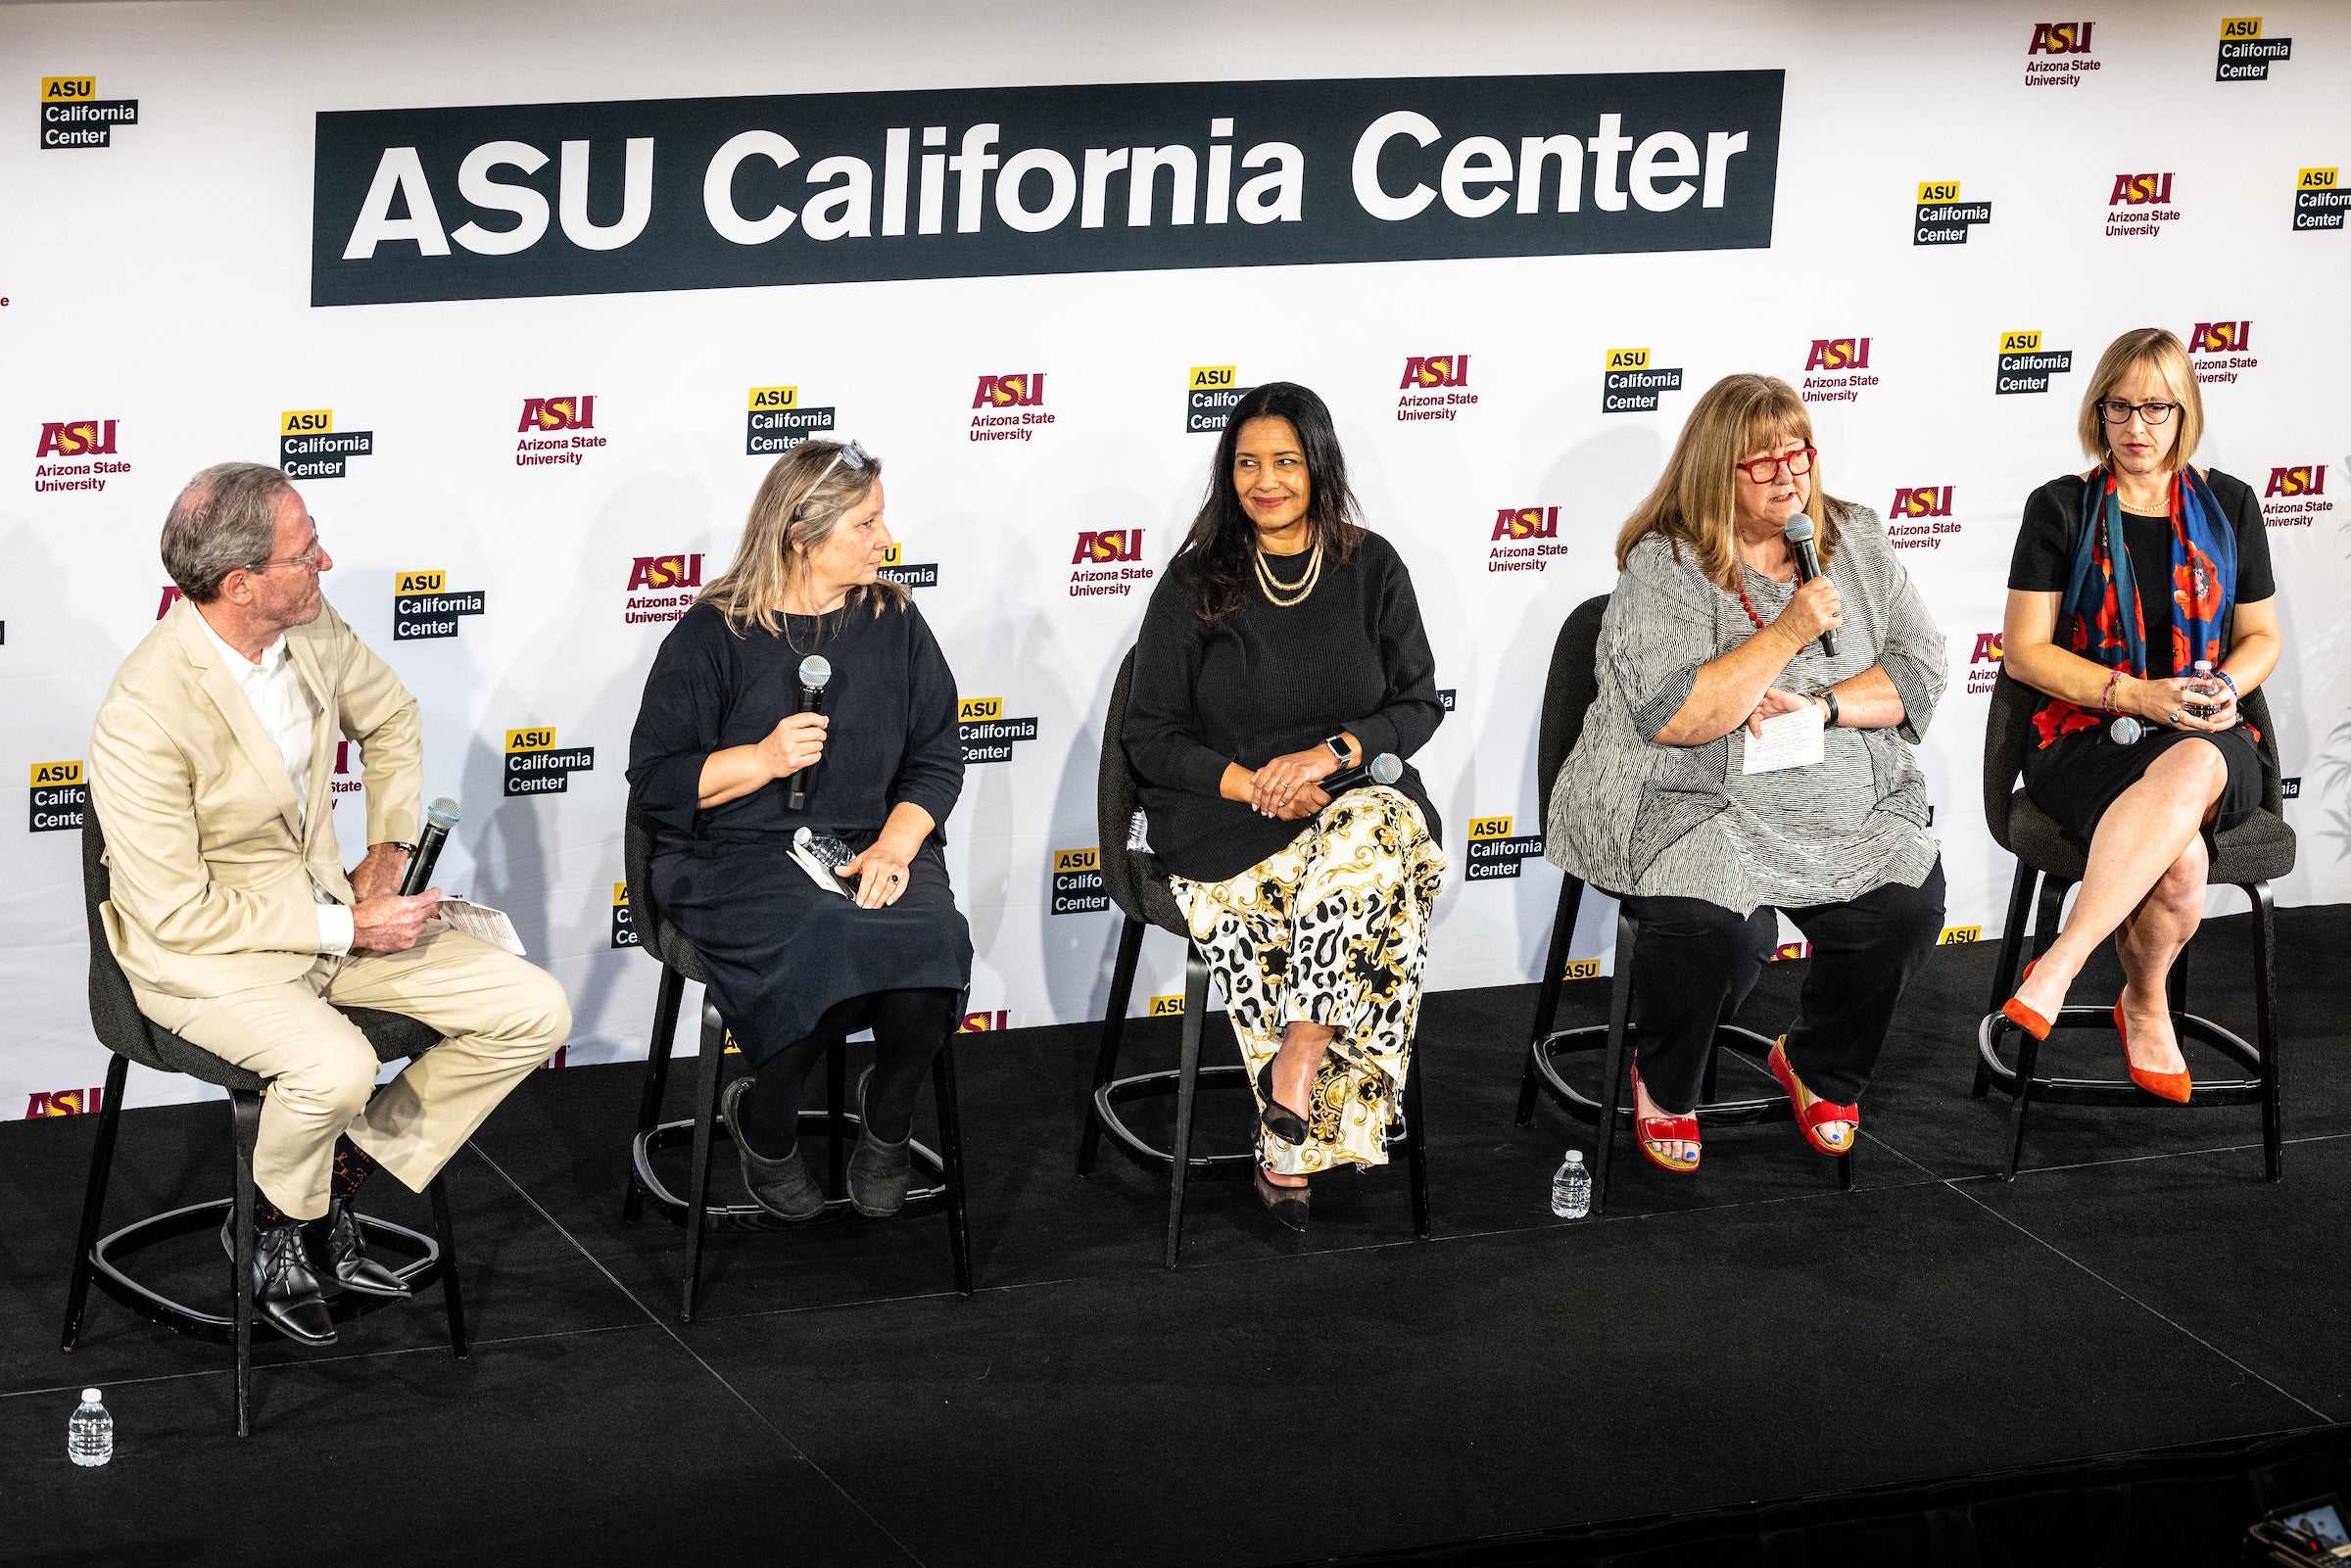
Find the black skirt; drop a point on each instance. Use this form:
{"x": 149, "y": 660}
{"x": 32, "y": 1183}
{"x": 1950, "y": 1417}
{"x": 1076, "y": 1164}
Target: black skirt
{"x": 780, "y": 950}
{"x": 2075, "y": 779}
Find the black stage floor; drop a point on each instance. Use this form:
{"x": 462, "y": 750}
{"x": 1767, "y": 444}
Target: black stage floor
{"x": 1747, "y": 1334}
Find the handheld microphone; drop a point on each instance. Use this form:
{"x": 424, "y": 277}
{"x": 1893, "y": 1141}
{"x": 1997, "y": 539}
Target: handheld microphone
{"x": 815, "y": 671}
{"x": 439, "y": 817}
{"x": 1385, "y": 768}
{"x": 1808, "y": 566}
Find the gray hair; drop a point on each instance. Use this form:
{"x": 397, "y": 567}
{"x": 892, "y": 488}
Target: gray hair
{"x": 224, "y": 519}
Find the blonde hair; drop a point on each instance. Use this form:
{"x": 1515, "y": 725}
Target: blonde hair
{"x": 2160, "y": 352}
{"x": 772, "y": 555}
{"x": 1696, "y": 499}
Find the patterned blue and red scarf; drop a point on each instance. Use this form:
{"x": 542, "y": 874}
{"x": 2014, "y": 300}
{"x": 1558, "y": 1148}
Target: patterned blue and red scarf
{"x": 2203, "y": 585}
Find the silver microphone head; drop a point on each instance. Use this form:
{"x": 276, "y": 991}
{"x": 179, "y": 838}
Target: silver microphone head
{"x": 1799, "y": 530}
{"x": 1386, "y": 768}
{"x": 444, "y": 810}
{"x": 815, "y": 671}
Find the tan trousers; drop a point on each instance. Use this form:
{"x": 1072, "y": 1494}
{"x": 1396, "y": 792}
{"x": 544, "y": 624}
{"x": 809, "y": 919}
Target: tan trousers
{"x": 502, "y": 1018}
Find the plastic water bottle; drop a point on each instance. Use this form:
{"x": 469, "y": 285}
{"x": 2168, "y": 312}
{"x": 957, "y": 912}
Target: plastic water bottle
{"x": 1571, "y": 1187}
{"x": 90, "y": 1433}
{"x": 2204, "y": 681}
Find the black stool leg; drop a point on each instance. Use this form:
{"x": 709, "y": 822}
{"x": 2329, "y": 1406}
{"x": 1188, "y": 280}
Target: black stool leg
{"x": 1187, "y": 1085}
{"x": 245, "y": 1107}
{"x": 2028, "y": 1052}
{"x": 950, "y": 1160}
{"x": 657, "y": 1078}
{"x": 93, "y": 1201}
{"x": 837, "y": 1120}
{"x": 1547, "y": 999}
{"x": 1612, "y": 1071}
{"x": 2265, "y": 1031}
{"x": 1114, "y": 1026}
{"x": 2011, "y": 959}
{"x": 446, "y": 1235}
{"x": 1415, "y": 1148}
{"x": 2174, "y": 985}
{"x": 705, "y": 1121}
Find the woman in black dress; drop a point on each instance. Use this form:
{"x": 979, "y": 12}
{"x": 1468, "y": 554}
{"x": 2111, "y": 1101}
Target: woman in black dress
{"x": 2141, "y": 605}
{"x": 795, "y": 963}
{"x": 1283, "y": 645}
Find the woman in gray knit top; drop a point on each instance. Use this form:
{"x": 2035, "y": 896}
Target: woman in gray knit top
{"x": 1707, "y": 636}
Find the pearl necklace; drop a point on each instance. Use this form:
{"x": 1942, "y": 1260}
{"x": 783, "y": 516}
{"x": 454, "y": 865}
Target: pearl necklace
{"x": 1271, "y": 587}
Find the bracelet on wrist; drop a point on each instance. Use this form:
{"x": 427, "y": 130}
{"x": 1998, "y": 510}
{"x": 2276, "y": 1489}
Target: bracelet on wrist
{"x": 2230, "y": 680}
{"x": 2106, "y": 698}
{"x": 1827, "y": 698}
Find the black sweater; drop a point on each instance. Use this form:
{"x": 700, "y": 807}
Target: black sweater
{"x": 891, "y": 700}
{"x": 1265, "y": 682}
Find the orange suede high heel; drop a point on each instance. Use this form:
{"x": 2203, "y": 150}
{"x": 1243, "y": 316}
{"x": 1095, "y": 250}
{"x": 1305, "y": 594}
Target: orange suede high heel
{"x": 2023, "y": 1017}
{"x": 2173, "y": 1086}
{"x": 1650, "y": 1131}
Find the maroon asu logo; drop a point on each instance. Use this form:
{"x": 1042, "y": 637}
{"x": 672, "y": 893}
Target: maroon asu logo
{"x": 64, "y": 1102}
{"x": 1422, "y": 371}
{"x": 2060, "y": 38}
{"x": 2303, "y": 479}
{"x": 1911, "y": 522}
{"x": 1983, "y": 665}
{"x": 76, "y": 438}
{"x": 542, "y": 415}
{"x": 1108, "y": 563}
{"x": 1023, "y": 391}
{"x": 1111, "y": 545}
{"x": 660, "y": 588}
{"x": 2221, "y": 337}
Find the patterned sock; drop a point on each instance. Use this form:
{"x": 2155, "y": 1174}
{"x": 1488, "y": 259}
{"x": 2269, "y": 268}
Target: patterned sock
{"x": 352, "y": 1165}
{"x": 267, "y": 1213}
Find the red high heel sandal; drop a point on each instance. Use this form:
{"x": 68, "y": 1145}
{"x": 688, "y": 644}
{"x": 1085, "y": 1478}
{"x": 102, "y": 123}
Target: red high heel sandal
{"x": 2023, "y": 1017}
{"x": 1811, "y": 1116}
{"x": 1650, "y": 1131}
{"x": 2172, "y": 1086}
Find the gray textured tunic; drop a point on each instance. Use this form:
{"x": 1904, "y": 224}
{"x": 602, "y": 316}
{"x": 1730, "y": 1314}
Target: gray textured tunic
{"x": 1632, "y": 816}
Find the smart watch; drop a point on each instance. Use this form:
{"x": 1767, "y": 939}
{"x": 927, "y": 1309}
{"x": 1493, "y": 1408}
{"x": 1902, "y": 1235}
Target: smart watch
{"x": 1829, "y": 696}
{"x": 1340, "y": 752}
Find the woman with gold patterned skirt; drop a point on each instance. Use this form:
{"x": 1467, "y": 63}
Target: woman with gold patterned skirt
{"x": 1282, "y": 647}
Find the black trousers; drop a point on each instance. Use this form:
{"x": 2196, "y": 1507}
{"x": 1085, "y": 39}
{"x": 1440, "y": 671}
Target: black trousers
{"x": 1696, "y": 962}
{"x": 909, "y": 1027}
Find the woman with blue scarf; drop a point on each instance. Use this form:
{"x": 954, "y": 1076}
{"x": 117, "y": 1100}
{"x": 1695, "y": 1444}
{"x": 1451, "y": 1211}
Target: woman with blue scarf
{"x": 2140, "y": 605}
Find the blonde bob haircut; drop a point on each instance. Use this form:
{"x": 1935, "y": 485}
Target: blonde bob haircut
{"x": 2165, "y": 355}
{"x": 1696, "y": 499}
{"x": 773, "y": 557}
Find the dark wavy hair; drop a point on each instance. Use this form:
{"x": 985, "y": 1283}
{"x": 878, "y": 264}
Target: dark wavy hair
{"x": 1215, "y": 560}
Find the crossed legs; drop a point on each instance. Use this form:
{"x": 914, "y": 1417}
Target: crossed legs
{"x": 2144, "y": 886}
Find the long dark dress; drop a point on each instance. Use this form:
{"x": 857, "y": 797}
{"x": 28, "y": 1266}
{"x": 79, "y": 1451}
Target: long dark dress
{"x": 779, "y": 948}
{"x": 2077, "y": 777}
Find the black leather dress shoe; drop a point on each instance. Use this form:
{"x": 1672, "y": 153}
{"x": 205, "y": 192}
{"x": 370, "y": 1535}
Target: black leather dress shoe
{"x": 783, "y": 1187}
{"x": 344, "y": 1253}
{"x": 285, "y": 1293}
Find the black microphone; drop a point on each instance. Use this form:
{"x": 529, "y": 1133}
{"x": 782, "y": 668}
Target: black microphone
{"x": 1807, "y": 567}
{"x": 815, "y": 671}
{"x": 439, "y": 817}
{"x": 1387, "y": 769}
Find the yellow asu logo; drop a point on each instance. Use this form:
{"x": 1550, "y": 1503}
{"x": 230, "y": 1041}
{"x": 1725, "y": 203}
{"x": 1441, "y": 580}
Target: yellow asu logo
{"x": 55, "y": 774}
{"x": 1489, "y": 827}
{"x": 538, "y": 739}
{"x": 1937, "y": 190}
{"x": 2240, "y": 26}
{"x": 1167, "y": 1007}
{"x": 69, "y": 89}
{"x": 1627, "y": 359}
{"x": 2316, "y": 179}
{"x": 307, "y": 422}
{"x": 978, "y": 710}
{"x": 432, "y": 582}
{"x": 771, "y": 398}
{"x": 1070, "y": 860}
{"x": 1581, "y": 969}
{"x": 1213, "y": 377}
{"x": 2020, "y": 342}
{"x": 1957, "y": 936}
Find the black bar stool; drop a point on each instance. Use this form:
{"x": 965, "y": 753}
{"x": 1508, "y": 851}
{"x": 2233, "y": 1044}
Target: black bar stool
{"x": 1138, "y": 887}
{"x": 680, "y": 963}
{"x": 2249, "y": 856}
{"x": 1567, "y": 695}
{"x": 133, "y": 1037}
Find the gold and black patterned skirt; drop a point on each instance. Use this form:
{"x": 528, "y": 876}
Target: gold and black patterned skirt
{"x": 1331, "y": 930}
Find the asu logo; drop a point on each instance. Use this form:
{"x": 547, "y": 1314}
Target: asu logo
{"x": 2319, "y": 202}
{"x": 306, "y": 421}
{"x": 1024, "y": 391}
{"x": 534, "y": 767}
{"x": 2301, "y": 480}
{"x": 772, "y": 398}
{"x": 1423, "y": 371}
{"x": 1209, "y": 393}
{"x": 64, "y": 1102}
{"x": 1933, "y": 191}
{"x": 1957, "y": 935}
{"x": 61, "y": 796}
{"x": 1838, "y": 353}
{"x": 1983, "y": 665}
{"x": 2240, "y": 26}
{"x": 2141, "y": 190}
{"x": 985, "y": 734}
{"x": 1168, "y": 1007}
{"x": 2060, "y": 38}
{"x": 2220, "y": 337}
{"x": 76, "y": 438}
{"x": 1493, "y": 852}
{"x": 1112, "y": 544}
{"x": 1526, "y": 522}
{"x": 1987, "y": 648}
{"x": 424, "y": 606}
{"x": 2019, "y": 342}
{"x": 172, "y": 595}
{"x": 984, "y": 1022}
{"x": 624, "y": 925}
{"x": 1924, "y": 500}
{"x": 72, "y": 114}
{"x": 665, "y": 571}
{"x": 541, "y": 415}
{"x": 1078, "y": 887}
{"x": 975, "y": 710}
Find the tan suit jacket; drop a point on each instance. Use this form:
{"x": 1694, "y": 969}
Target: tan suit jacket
{"x": 212, "y": 866}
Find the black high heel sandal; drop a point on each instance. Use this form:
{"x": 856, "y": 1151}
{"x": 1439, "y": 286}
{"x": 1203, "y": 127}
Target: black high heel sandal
{"x": 1286, "y": 1204}
{"x": 1279, "y": 1121}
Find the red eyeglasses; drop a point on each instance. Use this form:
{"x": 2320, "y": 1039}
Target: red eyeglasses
{"x": 1762, "y": 469}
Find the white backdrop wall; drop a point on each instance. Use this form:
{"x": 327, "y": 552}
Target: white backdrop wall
{"x": 161, "y": 286}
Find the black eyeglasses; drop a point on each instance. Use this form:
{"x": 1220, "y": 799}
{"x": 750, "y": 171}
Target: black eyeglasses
{"x": 850, "y": 453}
{"x": 2119, "y": 412}
{"x": 1761, "y": 469}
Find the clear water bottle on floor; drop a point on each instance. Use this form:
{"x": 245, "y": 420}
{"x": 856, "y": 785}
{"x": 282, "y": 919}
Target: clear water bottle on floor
{"x": 1571, "y": 1187}
{"x": 90, "y": 1433}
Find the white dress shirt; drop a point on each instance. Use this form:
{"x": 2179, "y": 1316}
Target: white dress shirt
{"x": 275, "y": 691}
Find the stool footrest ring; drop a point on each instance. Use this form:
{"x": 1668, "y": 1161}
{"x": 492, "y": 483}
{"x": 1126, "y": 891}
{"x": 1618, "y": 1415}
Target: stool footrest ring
{"x": 1150, "y": 1085}
{"x": 1771, "y": 1105}
{"x": 2059, "y": 1090}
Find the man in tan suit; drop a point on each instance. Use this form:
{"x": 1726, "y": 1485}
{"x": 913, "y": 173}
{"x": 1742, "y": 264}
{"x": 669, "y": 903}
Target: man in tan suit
{"x": 210, "y": 773}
